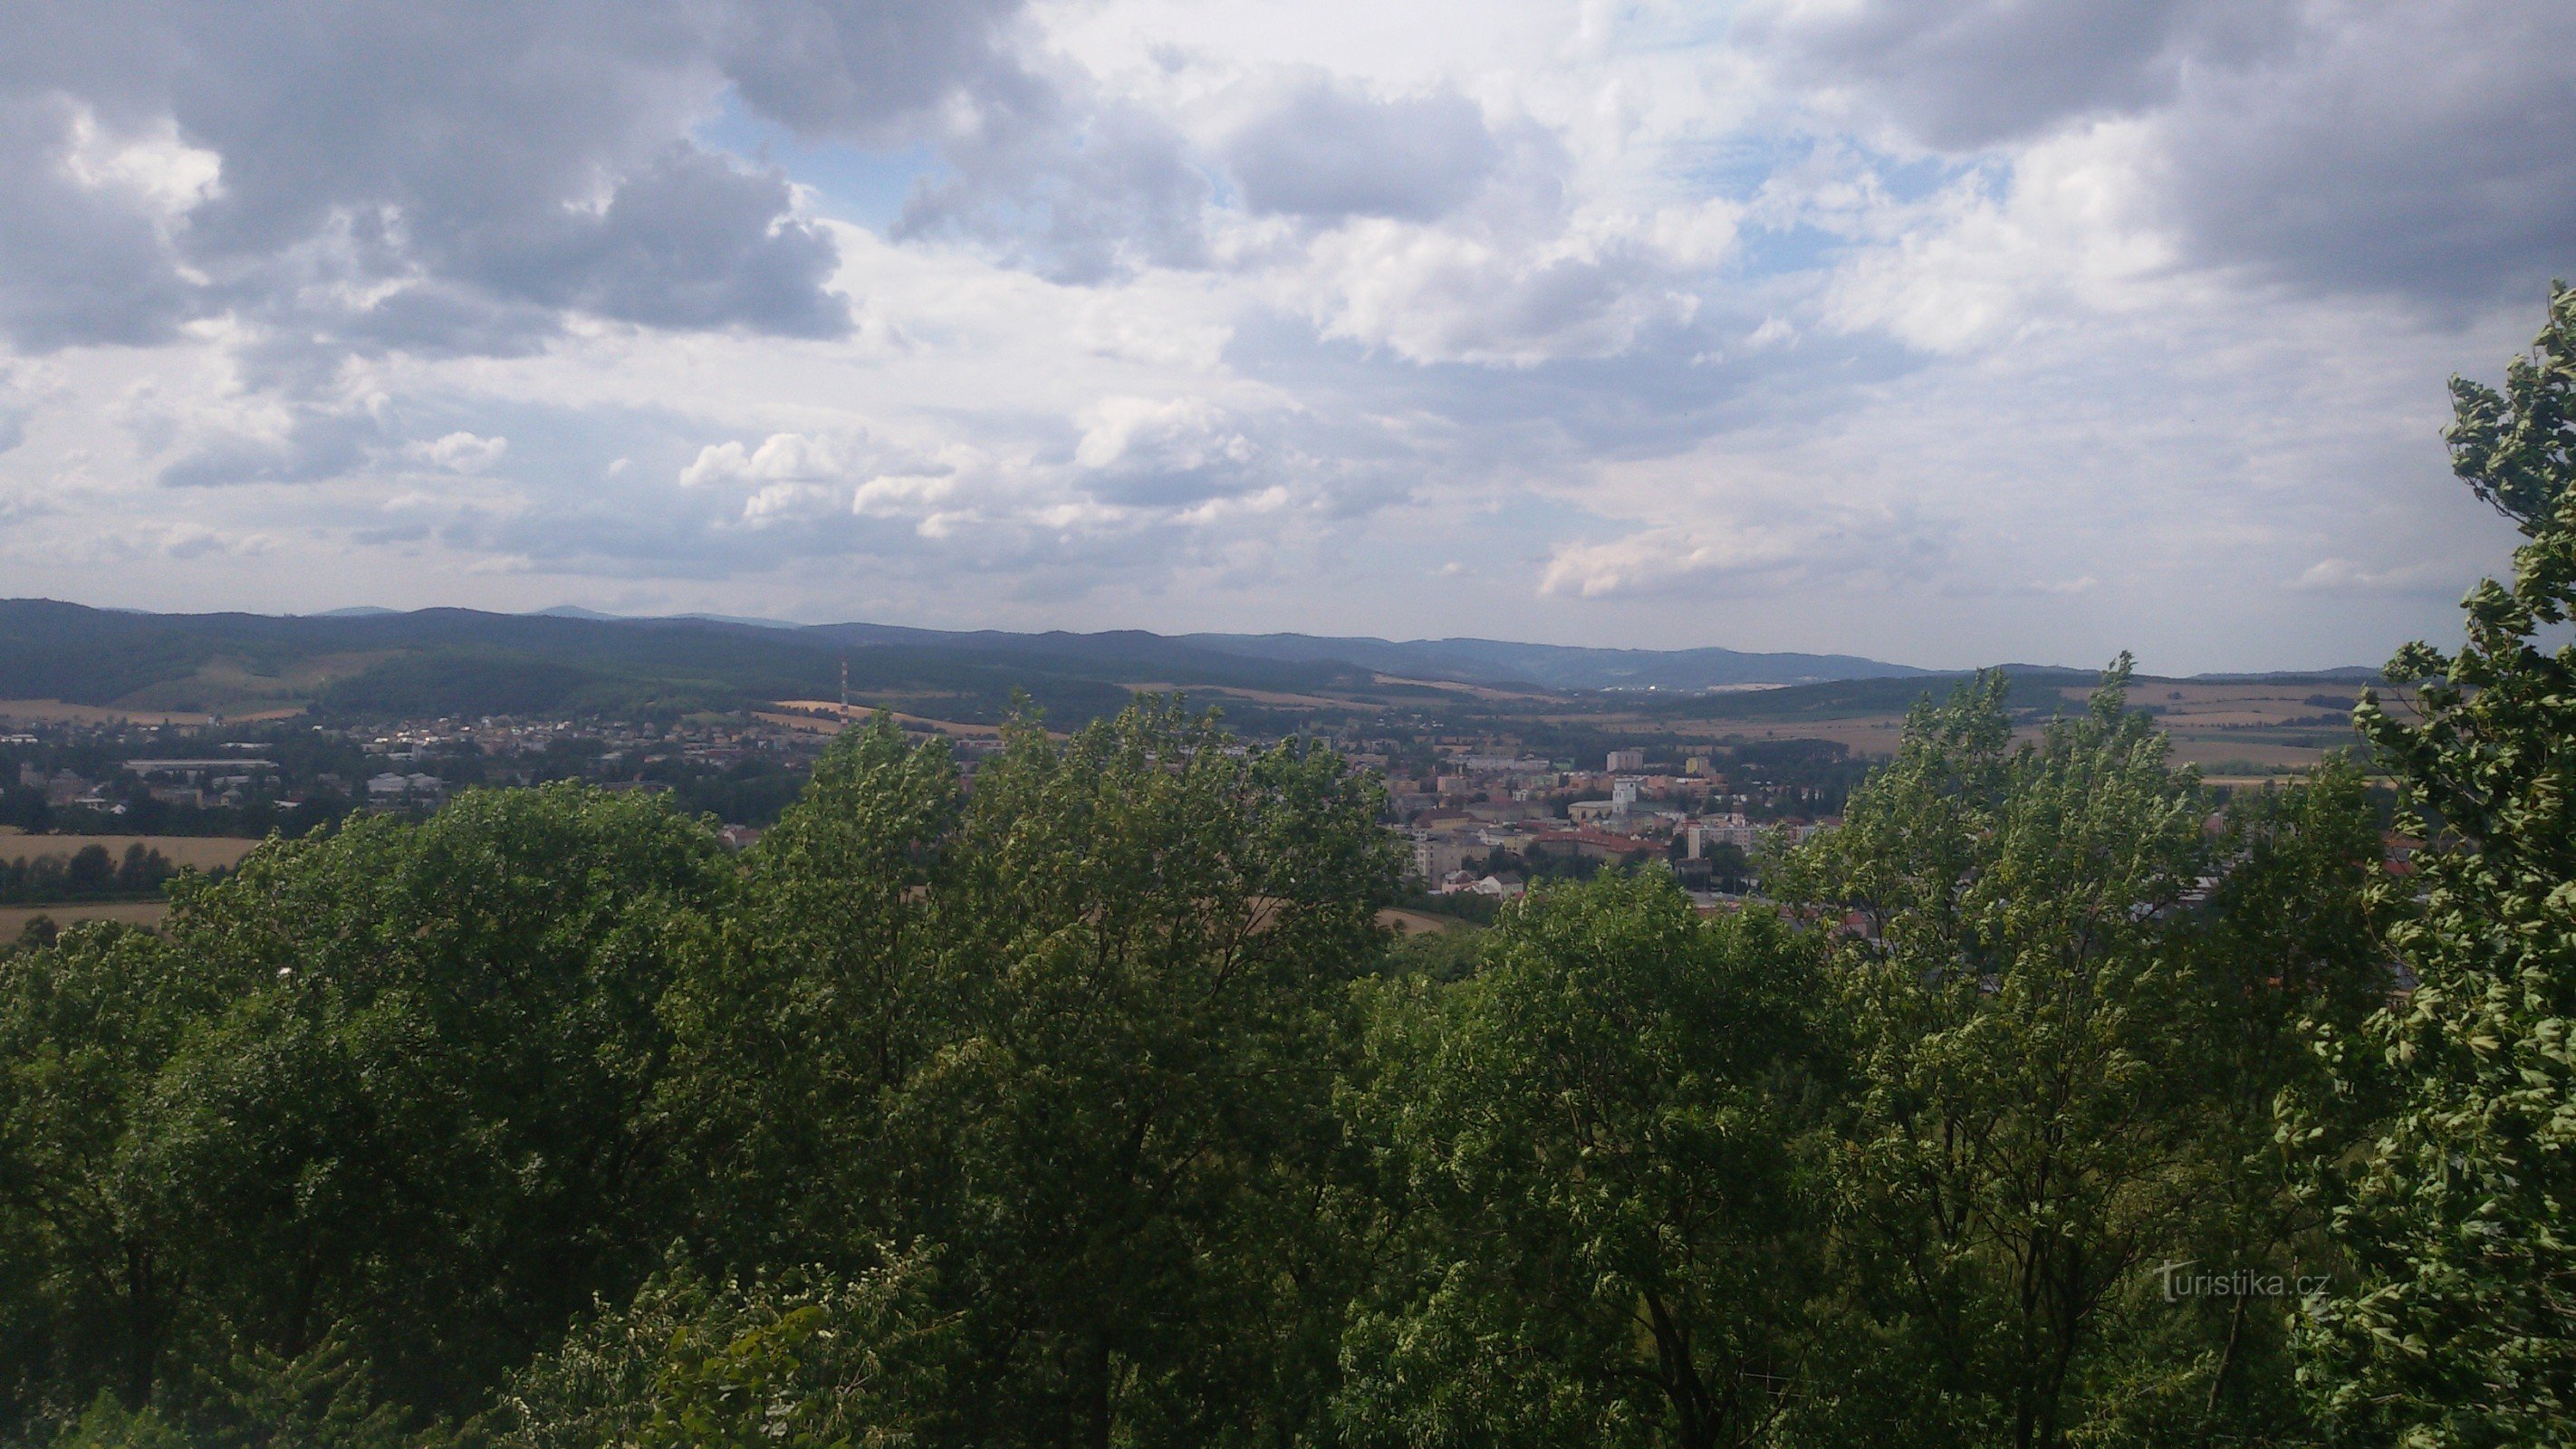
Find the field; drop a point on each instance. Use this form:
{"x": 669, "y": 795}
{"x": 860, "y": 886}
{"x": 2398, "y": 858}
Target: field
{"x": 14, "y": 919}
{"x": 200, "y": 852}
{"x": 54, "y": 711}
{"x": 2236, "y": 731}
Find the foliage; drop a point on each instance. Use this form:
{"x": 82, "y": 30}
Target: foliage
{"x": 2457, "y": 1329}
{"x": 87, "y": 874}
{"x": 1590, "y": 1181}
{"x": 1077, "y": 1028}
{"x": 383, "y": 1089}
{"x": 798, "y": 1361}
{"x": 2062, "y": 1042}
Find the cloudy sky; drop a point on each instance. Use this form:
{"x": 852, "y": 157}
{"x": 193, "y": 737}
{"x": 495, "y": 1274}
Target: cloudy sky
{"x": 1947, "y": 331}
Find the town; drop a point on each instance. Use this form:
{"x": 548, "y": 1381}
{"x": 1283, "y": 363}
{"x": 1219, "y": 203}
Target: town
{"x": 1481, "y": 815}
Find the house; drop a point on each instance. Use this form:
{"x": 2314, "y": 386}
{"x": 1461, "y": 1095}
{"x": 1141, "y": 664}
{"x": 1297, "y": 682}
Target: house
{"x": 1435, "y": 857}
{"x": 1590, "y": 845}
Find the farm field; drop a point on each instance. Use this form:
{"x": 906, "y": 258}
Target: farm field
{"x": 2244, "y": 731}
{"x": 199, "y": 852}
{"x": 54, "y": 711}
{"x": 14, "y": 919}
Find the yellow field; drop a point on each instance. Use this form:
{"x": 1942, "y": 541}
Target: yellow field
{"x": 1416, "y": 923}
{"x": 14, "y": 919}
{"x": 202, "y": 852}
{"x": 54, "y": 711}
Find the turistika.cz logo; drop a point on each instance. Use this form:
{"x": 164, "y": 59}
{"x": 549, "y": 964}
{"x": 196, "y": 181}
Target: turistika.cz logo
{"x": 2242, "y": 1283}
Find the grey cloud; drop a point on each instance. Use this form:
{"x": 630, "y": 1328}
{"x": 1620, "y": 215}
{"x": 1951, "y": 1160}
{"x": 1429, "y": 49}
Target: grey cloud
{"x": 77, "y": 263}
{"x": 2423, "y": 150}
{"x": 319, "y": 444}
{"x": 495, "y": 167}
{"x": 850, "y": 68}
{"x": 689, "y": 241}
{"x": 1329, "y": 150}
{"x": 1076, "y": 187}
{"x": 1970, "y": 73}
{"x": 2426, "y": 150}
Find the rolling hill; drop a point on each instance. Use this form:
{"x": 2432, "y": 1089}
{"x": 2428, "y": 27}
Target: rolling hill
{"x": 463, "y": 661}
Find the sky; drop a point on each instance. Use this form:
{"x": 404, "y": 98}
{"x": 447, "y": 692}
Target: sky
{"x": 1949, "y": 332}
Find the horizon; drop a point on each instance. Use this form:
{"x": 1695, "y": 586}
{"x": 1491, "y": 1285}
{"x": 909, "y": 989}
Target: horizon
{"x": 583, "y": 612}
{"x": 1907, "y": 332}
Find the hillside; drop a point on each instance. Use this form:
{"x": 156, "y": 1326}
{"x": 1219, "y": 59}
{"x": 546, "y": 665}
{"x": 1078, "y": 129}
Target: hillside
{"x": 463, "y": 661}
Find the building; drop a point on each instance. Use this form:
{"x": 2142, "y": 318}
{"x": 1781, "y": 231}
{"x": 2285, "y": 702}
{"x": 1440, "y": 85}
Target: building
{"x": 1590, "y": 845}
{"x": 1502, "y": 764}
{"x": 195, "y": 771}
{"x": 393, "y": 788}
{"x": 1627, "y": 762}
{"x": 1435, "y": 858}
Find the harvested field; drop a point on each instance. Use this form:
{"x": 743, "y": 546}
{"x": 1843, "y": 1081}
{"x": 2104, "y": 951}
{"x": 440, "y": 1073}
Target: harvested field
{"x": 201, "y": 852}
{"x": 54, "y": 711}
{"x": 1416, "y": 923}
{"x": 14, "y": 919}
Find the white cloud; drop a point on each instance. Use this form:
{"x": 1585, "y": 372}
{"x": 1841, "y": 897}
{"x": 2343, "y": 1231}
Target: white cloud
{"x": 458, "y": 452}
{"x": 1952, "y": 331}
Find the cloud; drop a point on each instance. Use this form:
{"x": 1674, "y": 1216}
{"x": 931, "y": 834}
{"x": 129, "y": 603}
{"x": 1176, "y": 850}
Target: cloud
{"x": 1161, "y": 453}
{"x": 2423, "y": 150}
{"x": 2343, "y": 576}
{"x": 1437, "y": 296}
{"x": 1842, "y": 547}
{"x": 851, "y": 70}
{"x": 439, "y": 179}
{"x": 1327, "y": 150}
{"x": 458, "y": 452}
{"x": 1880, "y": 323}
{"x": 87, "y": 253}
{"x": 1077, "y": 186}
{"x": 1962, "y": 74}
{"x": 2335, "y": 146}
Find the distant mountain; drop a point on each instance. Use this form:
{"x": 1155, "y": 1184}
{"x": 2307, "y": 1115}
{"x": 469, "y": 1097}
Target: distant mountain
{"x": 572, "y": 660}
{"x": 2351, "y": 673}
{"x": 1557, "y": 666}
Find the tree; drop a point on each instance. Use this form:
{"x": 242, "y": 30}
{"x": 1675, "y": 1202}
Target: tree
{"x": 799, "y": 1360}
{"x": 1079, "y": 1032}
{"x": 418, "y": 1122}
{"x": 94, "y": 1270}
{"x": 1598, "y": 1218}
{"x": 2457, "y": 1325}
{"x": 2028, "y": 1133}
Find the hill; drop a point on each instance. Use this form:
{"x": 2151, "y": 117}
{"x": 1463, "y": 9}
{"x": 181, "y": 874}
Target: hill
{"x": 464, "y": 661}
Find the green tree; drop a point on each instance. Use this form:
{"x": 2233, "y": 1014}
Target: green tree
{"x": 2026, "y": 1139}
{"x": 420, "y": 1122}
{"x": 1598, "y": 1226}
{"x": 800, "y": 1360}
{"x": 2458, "y": 1325}
{"x": 1078, "y": 1032}
{"x": 94, "y": 1268}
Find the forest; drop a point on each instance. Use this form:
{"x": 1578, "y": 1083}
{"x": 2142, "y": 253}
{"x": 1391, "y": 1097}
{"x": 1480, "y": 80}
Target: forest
{"x": 2050, "y": 1102}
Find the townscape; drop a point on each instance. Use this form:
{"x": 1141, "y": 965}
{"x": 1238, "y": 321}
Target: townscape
{"x": 1095, "y": 724}
{"x": 1479, "y": 813}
